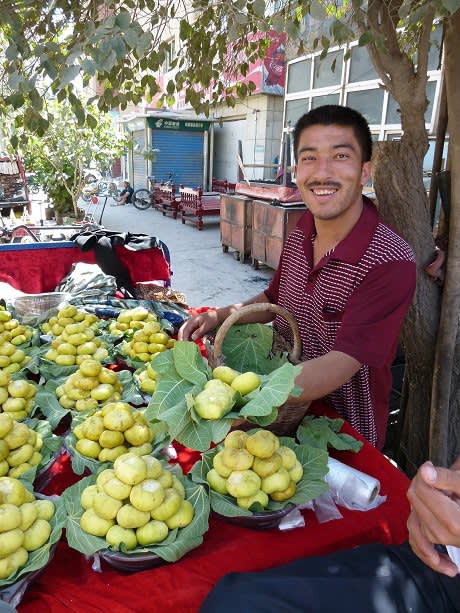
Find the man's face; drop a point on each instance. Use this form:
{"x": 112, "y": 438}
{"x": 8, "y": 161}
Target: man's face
{"x": 330, "y": 172}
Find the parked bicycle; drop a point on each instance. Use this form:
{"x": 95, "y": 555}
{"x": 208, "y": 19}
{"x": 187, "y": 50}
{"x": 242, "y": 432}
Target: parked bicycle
{"x": 145, "y": 198}
{"x": 101, "y": 187}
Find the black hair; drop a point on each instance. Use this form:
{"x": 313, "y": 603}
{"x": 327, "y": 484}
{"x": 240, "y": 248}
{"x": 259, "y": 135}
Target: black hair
{"x": 334, "y": 114}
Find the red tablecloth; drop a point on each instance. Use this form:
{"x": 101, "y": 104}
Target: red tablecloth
{"x": 69, "y": 584}
{"x": 39, "y": 267}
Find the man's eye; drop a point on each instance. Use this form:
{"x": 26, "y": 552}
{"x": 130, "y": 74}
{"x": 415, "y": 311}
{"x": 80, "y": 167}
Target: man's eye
{"x": 342, "y": 156}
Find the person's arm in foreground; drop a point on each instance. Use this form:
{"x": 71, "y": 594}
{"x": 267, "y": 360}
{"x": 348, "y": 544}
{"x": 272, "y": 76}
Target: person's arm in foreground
{"x": 434, "y": 496}
{"x": 200, "y": 325}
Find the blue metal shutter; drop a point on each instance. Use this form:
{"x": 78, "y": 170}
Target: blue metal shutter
{"x": 181, "y": 153}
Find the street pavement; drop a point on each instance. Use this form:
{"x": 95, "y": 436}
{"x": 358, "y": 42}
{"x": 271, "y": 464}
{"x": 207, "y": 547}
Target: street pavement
{"x": 206, "y": 275}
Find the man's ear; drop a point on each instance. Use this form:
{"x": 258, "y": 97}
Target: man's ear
{"x": 366, "y": 172}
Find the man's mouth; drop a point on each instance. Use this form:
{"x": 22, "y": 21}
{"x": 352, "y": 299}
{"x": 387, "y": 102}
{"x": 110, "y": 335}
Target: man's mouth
{"x": 324, "y": 190}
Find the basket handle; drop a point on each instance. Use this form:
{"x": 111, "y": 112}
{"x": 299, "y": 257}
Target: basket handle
{"x": 260, "y": 307}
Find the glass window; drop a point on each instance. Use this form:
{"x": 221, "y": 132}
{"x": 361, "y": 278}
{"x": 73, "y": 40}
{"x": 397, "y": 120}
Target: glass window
{"x": 430, "y": 94}
{"x": 295, "y": 109}
{"x": 434, "y": 55}
{"x": 299, "y": 76}
{"x": 361, "y": 68}
{"x": 317, "y": 101}
{"x": 324, "y": 76}
{"x": 393, "y": 115}
{"x": 368, "y": 102}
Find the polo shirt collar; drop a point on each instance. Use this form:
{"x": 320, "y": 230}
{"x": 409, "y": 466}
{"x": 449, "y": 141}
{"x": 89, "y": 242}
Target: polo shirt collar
{"x": 352, "y": 247}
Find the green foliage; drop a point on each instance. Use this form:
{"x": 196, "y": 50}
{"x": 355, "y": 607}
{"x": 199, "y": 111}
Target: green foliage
{"x": 249, "y": 347}
{"x": 59, "y": 154}
{"x": 182, "y": 374}
{"x": 323, "y": 432}
{"x": 49, "y": 48}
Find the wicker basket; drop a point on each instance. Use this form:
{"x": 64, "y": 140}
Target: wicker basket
{"x": 289, "y": 414}
{"x": 33, "y": 305}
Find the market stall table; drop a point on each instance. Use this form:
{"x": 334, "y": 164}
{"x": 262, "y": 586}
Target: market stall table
{"x": 69, "y": 583}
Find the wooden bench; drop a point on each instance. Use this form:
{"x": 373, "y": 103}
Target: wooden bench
{"x": 194, "y": 205}
{"x": 167, "y": 200}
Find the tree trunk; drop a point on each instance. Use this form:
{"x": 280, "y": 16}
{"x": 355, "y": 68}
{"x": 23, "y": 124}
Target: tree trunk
{"x": 404, "y": 205}
{"x": 445, "y": 414}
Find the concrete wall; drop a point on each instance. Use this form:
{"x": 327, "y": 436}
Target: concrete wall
{"x": 257, "y": 122}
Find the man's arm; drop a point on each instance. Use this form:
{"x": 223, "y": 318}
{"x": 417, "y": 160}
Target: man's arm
{"x": 323, "y": 375}
{"x": 200, "y": 325}
{"x": 434, "y": 496}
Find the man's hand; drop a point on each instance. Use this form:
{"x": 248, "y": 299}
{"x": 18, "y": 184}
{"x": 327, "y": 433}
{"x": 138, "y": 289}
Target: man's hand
{"x": 196, "y": 327}
{"x": 434, "y": 496}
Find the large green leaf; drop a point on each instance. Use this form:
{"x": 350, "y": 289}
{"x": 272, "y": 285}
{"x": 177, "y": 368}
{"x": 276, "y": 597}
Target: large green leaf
{"x": 312, "y": 484}
{"x": 171, "y": 386}
{"x": 220, "y": 428}
{"x": 50, "y": 370}
{"x": 323, "y": 432}
{"x": 171, "y": 549}
{"x": 48, "y": 403}
{"x": 275, "y": 390}
{"x": 174, "y": 394}
{"x": 248, "y": 347}
{"x": 39, "y": 558}
{"x": 31, "y": 365}
{"x": 177, "y": 417}
{"x": 189, "y": 363}
{"x": 130, "y": 392}
{"x": 80, "y": 462}
{"x": 196, "y": 436}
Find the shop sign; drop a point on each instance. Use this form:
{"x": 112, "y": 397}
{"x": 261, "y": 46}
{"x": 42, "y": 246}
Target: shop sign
{"x": 163, "y": 123}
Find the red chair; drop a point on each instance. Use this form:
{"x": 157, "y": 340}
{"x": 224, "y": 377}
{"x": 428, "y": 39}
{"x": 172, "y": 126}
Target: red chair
{"x": 194, "y": 205}
{"x": 168, "y": 201}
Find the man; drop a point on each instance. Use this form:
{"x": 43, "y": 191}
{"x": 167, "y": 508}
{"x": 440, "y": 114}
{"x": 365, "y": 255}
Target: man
{"x": 125, "y": 194}
{"x": 372, "y": 578}
{"x": 346, "y": 277}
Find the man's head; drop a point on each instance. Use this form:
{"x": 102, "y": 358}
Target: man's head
{"x": 333, "y": 147}
{"x": 332, "y": 114}
{"x": 126, "y": 184}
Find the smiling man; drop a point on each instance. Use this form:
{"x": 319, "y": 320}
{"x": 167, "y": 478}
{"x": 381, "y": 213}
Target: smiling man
{"x": 347, "y": 278}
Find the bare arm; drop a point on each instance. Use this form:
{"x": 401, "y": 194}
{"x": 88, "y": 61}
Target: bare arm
{"x": 434, "y": 496}
{"x": 325, "y": 374}
{"x": 200, "y": 325}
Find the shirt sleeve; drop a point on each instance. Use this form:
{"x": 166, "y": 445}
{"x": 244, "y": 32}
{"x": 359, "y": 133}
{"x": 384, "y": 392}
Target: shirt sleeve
{"x": 374, "y": 313}
{"x": 272, "y": 290}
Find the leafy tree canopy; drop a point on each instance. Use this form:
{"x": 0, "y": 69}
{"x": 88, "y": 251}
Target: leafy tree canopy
{"x": 60, "y": 156}
{"x": 49, "y": 47}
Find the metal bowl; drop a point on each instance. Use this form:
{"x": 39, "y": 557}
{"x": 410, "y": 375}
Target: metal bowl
{"x": 265, "y": 520}
{"x": 130, "y": 562}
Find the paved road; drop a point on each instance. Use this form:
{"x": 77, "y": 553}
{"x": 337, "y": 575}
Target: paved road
{"x": 201, "y": 270}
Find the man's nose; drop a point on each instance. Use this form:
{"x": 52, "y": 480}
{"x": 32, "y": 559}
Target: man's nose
{"x": 322, "y": 168}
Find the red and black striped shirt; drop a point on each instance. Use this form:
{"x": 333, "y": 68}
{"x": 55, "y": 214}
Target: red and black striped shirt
{"x": 353, "y": 301}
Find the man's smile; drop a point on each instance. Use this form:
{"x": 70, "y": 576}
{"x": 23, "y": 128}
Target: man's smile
{"x": 323, "y": 190}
